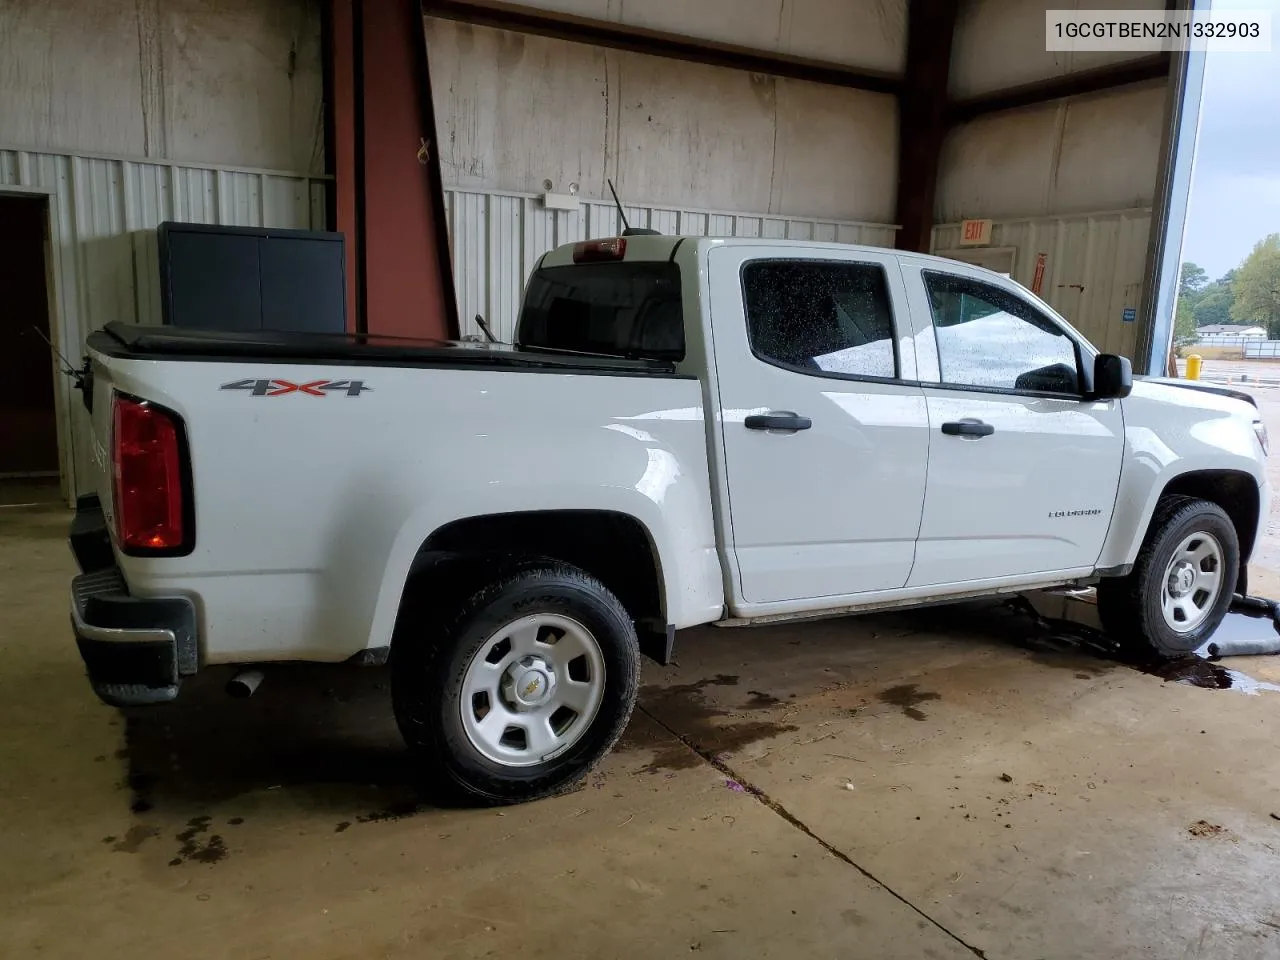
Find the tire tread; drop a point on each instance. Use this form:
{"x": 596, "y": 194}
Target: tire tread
{"x": 425, "y": 642}
{"x": 1121, "y": 599}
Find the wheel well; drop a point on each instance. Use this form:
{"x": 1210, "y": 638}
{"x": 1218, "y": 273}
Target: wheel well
{"x": 612, "y": 547}
{"x": 1234, "y": 492}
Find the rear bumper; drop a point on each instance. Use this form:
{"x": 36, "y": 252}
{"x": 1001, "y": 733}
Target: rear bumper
{"x": 136, "y": 650}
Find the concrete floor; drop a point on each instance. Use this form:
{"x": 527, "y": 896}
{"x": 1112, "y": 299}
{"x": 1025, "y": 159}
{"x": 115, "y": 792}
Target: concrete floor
{"x": 942, "y": 784}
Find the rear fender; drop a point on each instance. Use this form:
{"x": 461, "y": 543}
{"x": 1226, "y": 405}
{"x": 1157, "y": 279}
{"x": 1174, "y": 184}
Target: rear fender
{"x": 685, "y": 555}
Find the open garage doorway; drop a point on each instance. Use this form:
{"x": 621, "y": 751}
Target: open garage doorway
{"x": 29, "y": 462}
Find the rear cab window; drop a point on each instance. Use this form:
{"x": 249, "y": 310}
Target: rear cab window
{"x": 630, "y": 309}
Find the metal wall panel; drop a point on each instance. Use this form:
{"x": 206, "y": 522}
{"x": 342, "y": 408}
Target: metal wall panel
{"x": 870, "y": 34}
{"x": 103, "y": 214}
{"x": 1099, "y": 152}
{"x": 1001, "y": 44}
{"x": 497, "y": 238}
{"x": 1093, "y": 267}
{"x": 228, "y": 82}
{"x": 677, "y": 133}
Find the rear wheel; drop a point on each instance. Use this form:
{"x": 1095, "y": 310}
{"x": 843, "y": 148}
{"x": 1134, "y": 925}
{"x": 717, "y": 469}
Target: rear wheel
{"x": 1181, "y": 585}
{"x": 522, "y": 690}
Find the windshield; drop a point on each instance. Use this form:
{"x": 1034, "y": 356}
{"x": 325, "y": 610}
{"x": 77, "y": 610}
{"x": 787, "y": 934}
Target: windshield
{"x": 617, "y": 309}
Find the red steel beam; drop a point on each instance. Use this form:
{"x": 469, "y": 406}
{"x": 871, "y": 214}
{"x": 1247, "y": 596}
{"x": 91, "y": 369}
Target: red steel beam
{"x": 922, "y": 118}
{"x": 342, "y": 119}
{"x": 1110, "y": 77}
{"x": 408, "y": 283}
{"x": 388, "y": 199}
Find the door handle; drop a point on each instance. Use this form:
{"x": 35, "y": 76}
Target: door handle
{"x": 968, "y": 428}
{"x": 777, "y": 420}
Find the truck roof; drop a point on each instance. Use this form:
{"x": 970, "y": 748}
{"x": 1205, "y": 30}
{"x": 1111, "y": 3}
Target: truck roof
{"x": 662, "y": 247}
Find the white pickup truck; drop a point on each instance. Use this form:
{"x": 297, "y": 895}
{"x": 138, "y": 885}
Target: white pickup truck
{"x": 686, "y": 431}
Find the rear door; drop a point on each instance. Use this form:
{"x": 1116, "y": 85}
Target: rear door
{"x": 824, "y": 434}
{"x": 1023, "y": 469}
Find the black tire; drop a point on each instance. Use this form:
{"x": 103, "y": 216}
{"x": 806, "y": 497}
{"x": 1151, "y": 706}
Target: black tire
{"x": 429, "y": 660}
{"x": 1130, "y": 607}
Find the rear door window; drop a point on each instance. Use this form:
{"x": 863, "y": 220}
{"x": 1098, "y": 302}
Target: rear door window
{"x": 616, "y": 309}
{"x": 820, "y": 317}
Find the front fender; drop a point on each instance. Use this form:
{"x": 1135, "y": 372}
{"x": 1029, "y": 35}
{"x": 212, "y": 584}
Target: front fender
{"x": 1154, "y": 460}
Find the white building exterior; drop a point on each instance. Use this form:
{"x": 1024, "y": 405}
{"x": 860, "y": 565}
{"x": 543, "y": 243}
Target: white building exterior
{"x": 1230, "y": 332}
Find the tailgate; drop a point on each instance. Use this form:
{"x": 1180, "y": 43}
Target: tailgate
{"x": 98, "y": 385}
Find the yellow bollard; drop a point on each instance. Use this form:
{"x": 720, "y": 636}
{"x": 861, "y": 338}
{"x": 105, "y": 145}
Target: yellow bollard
{"x": 1193, "y": 366}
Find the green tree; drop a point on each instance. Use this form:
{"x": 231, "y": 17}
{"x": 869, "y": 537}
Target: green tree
{"x": 1184, "y": 322}
{"x": 1257, "y": 287}
{"x": 1213, "y": 305}
{"x": 1192, "y": 280}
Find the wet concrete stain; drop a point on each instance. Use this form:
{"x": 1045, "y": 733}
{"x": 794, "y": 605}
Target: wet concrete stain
{"x": 761, "y": 701}
{"x": 1075, "y": 643}
{"x": 134, "y": 838}
{"x": 195, "y": 848}
{"x": 714, "y": 728}
{"x": 698, "y": 686}
{"x": 908, "y": 697}
{"x": 393, "y": 811}
{"x": 335, "y": 752}
{"x": 140, "y": 785}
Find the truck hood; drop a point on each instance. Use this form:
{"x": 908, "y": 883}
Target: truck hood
{"x": 1157, "y": 388}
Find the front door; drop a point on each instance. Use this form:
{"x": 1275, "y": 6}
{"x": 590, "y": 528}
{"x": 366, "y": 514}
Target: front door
{"x": 824, "y": 442}
{"x": 1023, "y": 470}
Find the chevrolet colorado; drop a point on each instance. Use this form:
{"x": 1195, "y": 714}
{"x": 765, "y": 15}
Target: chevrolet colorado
{"x": 685, "y": 431}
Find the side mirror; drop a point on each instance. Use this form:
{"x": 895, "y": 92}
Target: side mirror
{"x": 1112, "y": 377}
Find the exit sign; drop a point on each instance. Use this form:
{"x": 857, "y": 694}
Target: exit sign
{"x": 975, "y": 233}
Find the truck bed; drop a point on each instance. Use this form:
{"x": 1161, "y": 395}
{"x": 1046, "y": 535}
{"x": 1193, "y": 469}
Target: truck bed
{"x": 136, "y": 342}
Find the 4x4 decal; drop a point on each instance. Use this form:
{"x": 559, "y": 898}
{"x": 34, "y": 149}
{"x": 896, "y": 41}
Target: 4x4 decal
{"x": 276, "y": 387}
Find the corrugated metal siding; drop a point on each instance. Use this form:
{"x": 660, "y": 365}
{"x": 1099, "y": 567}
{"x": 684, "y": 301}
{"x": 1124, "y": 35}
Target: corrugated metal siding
{"x": 103, "y": 216}
{"x": 496, "y": 239}
{"x": 1093, "y": 267}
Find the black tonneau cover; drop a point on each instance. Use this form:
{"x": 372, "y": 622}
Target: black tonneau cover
{"x": 134, "y": 341}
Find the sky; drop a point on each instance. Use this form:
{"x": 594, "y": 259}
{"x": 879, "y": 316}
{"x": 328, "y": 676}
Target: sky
{"x": 1235, "y": 188}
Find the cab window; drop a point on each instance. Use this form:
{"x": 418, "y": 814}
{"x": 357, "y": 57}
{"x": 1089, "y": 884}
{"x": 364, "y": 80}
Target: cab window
{"x": 989, "y": 338}
{"x": 821, "y": 317}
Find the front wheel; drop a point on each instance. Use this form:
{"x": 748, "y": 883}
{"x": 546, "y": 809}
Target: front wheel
{"x": 522, "y": 690}
{"x": 1181, "y": 585}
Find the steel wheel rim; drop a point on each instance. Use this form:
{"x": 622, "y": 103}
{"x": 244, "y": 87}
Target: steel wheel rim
{"x": 532, "y": 690}
{"x": 1192, "y": 582}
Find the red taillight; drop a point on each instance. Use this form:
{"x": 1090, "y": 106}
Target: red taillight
{"x": 146, "y": 454}
{"x": 597, "y": 251}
